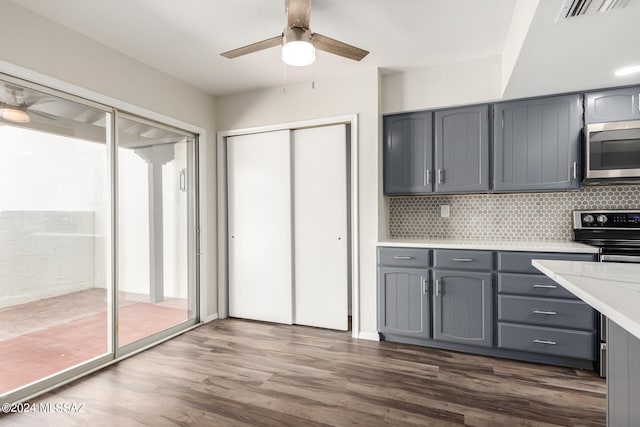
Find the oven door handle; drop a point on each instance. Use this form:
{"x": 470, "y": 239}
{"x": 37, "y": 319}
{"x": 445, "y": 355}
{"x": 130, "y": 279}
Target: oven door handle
{"x": 620, "y": 258}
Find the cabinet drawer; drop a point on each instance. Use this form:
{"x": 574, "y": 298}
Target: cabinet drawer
{"x": 462, "y": 260}
{"x": 520, "y": 262}
{"x": 546, "y": 311}
{"x": 531, "y": 285}
{"x": 551, "y": 341}
{"x": 403, "y": 257}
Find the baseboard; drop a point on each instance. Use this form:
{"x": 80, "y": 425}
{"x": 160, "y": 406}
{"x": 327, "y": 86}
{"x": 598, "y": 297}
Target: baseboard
{"x": 373, "y": 336}
{"x": 210, "y": 318}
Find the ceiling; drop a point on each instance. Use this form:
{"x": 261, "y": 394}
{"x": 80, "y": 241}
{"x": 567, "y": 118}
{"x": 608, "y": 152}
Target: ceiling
{"x": 184, "y": 38}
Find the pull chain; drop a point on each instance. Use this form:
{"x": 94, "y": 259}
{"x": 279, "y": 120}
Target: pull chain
{"x": 284, "y": 78}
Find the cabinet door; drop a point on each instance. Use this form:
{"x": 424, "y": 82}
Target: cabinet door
{"x": 536, "y": 144}
{"x": 613, "y": 105}
{"x": 463, "y": 307}
{"x": 407, "y": 153}
{"x": 462, "y": 150}
{"x": 403, "y": 302}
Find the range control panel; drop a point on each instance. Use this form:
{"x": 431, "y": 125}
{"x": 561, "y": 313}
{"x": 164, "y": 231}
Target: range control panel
{"x": 611, "y": 219}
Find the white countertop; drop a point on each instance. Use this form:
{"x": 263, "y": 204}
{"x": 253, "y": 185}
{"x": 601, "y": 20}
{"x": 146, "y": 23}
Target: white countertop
{"x": 611, "y": 288}
{"x": 492, "y": 245}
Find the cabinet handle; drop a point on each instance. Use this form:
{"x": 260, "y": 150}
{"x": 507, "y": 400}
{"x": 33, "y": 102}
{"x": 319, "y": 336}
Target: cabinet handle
{"x": 550, "y": 313}
{"x": 403, "y": 257}
{"x": 545, "y": 286}
{"x": 462, "y": 259}
{"x": 575, "y": 170}
{"x": 440, "y": 176}
{"x": 424, "y": 286}
{"x": 437, "y": 287}
{"x": 427, "y": 177}
{"x": 548, "y": 342}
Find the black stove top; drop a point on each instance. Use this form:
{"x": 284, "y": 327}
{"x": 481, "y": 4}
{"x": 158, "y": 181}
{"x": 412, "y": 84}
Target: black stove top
{"x": 613, "y": 231}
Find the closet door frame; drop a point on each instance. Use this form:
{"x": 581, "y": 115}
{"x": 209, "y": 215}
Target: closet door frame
{"x": 223, "y": 235}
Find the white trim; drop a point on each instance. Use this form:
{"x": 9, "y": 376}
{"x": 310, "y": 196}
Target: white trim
{"x": 74, "y": 90}
{"x": 210, "y": 318}
{"x": 372, "y": 336}
{"x": 223, "y": 282}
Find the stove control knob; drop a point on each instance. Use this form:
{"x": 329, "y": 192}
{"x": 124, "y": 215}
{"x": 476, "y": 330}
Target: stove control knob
{"x": 587, "y": 219}
{"x": 602, "y": 219}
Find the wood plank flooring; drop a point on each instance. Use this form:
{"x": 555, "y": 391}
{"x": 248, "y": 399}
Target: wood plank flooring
{"x": 233, "y": 373}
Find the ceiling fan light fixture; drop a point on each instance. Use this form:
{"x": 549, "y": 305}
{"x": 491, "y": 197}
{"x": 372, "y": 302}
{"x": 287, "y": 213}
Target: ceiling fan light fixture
{"x": 297, "y": 47}
{"x": 15, "y": 115}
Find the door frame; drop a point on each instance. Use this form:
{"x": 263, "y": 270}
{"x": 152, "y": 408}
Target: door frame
{"x": 354, "y": 261}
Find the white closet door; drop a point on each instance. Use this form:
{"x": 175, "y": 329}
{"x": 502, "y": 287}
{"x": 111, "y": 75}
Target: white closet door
{"x": 320, "y": 227}
{"x": 259, "y": 206}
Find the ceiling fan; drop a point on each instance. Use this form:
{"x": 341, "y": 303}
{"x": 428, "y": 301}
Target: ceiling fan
{"x": 298, "y": 42}
{"x": 16, "y": 102}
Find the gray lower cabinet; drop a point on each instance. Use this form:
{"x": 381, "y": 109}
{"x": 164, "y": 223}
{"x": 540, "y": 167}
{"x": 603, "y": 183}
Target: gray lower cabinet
{"x": 446, "y": 298}
{"x": 463, "y": 307}
{"x": 537, "y": 315}
{"x": 612, "y": 105}
{"x": 623, "y": 377}
{"x": 462, "y": 150}
{"x": 537, "y": 144}
{"x": 403, "y": 301}
{"x": 407, "y": 153}
{"x": 403, "y": 292}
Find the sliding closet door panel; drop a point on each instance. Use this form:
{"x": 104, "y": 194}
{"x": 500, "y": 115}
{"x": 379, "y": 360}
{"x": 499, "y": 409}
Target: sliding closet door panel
{"x": 259, "y": 204}
{"x": 320, "y": 218}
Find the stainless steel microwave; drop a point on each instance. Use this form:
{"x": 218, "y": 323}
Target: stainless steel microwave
{"x": 612, "y": 151}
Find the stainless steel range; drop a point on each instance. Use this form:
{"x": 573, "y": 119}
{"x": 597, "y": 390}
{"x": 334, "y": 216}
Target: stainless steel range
{"x": 617, "y": 234}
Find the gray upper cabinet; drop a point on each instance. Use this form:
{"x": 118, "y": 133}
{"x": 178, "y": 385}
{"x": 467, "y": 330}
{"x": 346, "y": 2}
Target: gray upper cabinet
{"x": 462, "y": 150}
{"x": 612, "y": 105}
{"x": 407, "y": 153}
{"x": 537, "y": 143}
{"x": 463, "y": 307}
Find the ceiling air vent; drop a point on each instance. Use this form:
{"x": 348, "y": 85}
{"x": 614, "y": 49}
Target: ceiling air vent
{"x": 574, "y": 8}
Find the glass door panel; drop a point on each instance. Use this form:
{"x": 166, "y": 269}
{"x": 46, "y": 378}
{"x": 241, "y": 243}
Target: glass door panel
{"x": 54, "y": 235}
{"x": 155, "y": 229}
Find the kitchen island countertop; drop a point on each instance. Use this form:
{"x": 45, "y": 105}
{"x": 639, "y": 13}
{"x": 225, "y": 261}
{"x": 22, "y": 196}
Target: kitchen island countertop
{"x": 611, "y": 288}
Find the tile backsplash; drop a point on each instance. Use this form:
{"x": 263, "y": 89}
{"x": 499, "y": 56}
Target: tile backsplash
{"x": 521, "y": 216}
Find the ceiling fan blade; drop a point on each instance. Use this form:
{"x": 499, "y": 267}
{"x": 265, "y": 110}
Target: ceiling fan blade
{"x": 264, "y": 44}
{"x": 298, "y": 13}
{"x": 339, "y": 48}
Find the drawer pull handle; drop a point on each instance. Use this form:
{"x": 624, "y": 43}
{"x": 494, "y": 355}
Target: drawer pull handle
{"x": 402, "y": 257}
{"x": 548, "y": 342}
{"x": 550, "y": 313}
{"x": 545, "y": 286}
{"x": 463, "y": 259}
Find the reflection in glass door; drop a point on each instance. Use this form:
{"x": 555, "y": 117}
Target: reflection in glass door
{"x": 155, "y": 230}
{"x": 55, "y": 285}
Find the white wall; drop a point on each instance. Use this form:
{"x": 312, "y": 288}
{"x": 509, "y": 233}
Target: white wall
{"x": 357, "y": 93}
{"x": 35, "y": 48}
{"x": 51, "y": 205}
{"x": 442, "y": 86}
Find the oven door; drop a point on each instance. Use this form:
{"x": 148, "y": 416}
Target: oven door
{"x": 612, "y": 150}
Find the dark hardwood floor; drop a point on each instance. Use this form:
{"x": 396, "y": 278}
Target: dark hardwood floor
{"x": 233, "y": 372}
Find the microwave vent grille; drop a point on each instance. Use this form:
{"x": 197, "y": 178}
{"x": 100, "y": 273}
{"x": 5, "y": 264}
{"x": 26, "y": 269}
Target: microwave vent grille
{"x": 574, "y": 8}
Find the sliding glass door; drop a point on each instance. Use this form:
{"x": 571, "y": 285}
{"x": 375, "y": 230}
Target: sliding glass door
{"x": 155, "y": 229}
{"x": 98, "y": 219}
{"x": 55, "y": 293}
